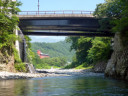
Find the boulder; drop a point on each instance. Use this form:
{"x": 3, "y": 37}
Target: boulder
{"x": 100, "y": 67}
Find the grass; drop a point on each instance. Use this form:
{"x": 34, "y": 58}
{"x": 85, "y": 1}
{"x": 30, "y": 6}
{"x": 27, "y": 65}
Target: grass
{"x": 83, "y": 67}
{"x": 46, "y": 67}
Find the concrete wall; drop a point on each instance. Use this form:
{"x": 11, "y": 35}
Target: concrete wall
{"x": 22, "y": 46}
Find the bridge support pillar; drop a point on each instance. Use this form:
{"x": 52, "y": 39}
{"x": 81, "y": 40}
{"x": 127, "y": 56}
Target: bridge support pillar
{"x": 24, "y": 51}
{"x": 17, "y": 43}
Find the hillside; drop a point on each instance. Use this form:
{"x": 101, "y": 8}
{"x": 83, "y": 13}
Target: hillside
{"x": 58, "y": 49}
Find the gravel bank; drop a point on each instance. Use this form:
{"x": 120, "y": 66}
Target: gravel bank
{"x": 64, "y": 71}
{"x": 10, "y": 75}
{"x": 43, "y": 73}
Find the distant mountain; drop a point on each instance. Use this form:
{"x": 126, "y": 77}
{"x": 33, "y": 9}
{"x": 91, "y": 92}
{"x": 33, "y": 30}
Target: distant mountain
{"x": 58, "y": 49}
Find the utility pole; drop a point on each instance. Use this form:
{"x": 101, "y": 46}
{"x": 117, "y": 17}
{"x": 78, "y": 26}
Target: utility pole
{"x": 38, "y": 7}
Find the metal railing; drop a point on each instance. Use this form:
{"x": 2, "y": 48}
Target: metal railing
{"x": 54, "y": 12}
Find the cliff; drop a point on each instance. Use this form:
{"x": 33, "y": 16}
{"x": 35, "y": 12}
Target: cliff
{"x": 117, "y": 66}
{"x": 7, "y": 63}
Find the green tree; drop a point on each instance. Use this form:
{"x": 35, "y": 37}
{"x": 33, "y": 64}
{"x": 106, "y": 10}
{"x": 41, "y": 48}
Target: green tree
{"x": 100, "y": 49}
{"x": 116, "y": 14}
{"x": 8, "y": 23}
{"x": 81, "y": 45}
{"x": 49, "y": 62}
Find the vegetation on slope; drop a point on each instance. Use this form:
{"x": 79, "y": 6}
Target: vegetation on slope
{"x": 47, "y": 63}
{"x": 8, "y": 25}
{"x": 59, "y": 53}
{"x": 89, "y": 50}
{"x": 58, "y": 49}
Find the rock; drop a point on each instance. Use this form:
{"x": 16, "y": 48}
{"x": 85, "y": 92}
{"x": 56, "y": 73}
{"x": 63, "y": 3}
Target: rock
{"x": 100, "y": 67}
{"x": 7, "y": 63}
{"x": 117, "y": 66}
{"x": 10, "y": 65}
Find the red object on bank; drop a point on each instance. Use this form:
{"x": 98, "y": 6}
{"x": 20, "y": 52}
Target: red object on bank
{"x": 42, "y": 55}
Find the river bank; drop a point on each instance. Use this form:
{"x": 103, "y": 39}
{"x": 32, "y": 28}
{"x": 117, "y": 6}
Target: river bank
{"x": 43, "y": 73}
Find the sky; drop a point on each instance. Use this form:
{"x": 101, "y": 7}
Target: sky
{"x": 51, "y": 5}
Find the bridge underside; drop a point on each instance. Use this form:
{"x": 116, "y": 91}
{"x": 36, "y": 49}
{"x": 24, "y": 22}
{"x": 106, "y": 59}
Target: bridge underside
{"x": 62, "y": 26}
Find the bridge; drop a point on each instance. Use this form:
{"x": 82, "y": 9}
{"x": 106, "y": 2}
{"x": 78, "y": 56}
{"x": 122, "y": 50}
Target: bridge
{"x": 61, "y": 23}
{"x": 57, "y": 23}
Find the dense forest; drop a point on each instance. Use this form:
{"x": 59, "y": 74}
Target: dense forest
{"x": 89, "y": 51}
{"x": 59, "y": 53}
{"x": 113, "y": 15}
{"x": 58, "y": 49}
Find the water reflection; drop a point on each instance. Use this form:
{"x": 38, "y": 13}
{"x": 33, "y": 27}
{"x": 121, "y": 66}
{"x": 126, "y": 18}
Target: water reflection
{"x": 64, "y": 86}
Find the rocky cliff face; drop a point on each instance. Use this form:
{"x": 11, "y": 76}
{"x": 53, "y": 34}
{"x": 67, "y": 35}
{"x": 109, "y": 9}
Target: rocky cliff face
{"x": 100, "y": 67}
{"x": 117, "y": 66}
{"x": 7, "y": 63}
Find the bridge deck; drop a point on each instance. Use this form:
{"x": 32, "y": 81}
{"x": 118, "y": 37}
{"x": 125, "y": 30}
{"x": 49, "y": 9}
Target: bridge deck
{"x": 55, "y": 16}
{"x": 75, "y": 23}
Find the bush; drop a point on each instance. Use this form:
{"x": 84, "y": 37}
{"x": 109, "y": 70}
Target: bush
{"x": 21, "y": 67}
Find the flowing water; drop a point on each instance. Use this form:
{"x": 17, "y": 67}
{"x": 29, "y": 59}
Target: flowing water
{"x": 87, "y": 85}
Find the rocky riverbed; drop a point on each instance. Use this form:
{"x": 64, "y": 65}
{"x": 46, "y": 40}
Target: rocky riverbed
{"x": 43, "y": 73}
{"x": 64, "y": 71}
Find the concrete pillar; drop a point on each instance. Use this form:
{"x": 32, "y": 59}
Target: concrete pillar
{"x": 17, "y": 42}
{"x": 24, "y": 51}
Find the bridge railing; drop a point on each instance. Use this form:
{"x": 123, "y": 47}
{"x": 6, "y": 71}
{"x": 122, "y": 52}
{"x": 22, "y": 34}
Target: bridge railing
{"x": 54, "y": 12}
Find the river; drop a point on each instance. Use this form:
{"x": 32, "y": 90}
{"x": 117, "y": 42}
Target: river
{"x": 77, "y": 85}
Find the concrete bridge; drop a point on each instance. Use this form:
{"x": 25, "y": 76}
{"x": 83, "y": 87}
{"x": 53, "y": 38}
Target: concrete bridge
{"x": 57, "y": 23}
{"x": 61, "y": 23}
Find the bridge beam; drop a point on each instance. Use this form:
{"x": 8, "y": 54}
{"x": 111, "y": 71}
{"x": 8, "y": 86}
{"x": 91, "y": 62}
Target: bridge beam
{"x": 69, "y": 34}
{"x": 62, "y": 25}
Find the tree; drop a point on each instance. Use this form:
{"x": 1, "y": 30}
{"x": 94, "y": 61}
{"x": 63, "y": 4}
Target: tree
{"x": 81, "y": 45}
{"x": 100, "y": 50}
{"x": 116, "y": 14}
{"x": 8, "y": 23}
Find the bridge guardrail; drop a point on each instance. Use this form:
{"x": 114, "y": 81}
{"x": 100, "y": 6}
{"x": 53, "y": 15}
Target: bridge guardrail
{"x": 54, "y": 12}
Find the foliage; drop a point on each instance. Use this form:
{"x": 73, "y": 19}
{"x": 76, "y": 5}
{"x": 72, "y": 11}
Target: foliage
{"x": 49, "y": 62}
{"x": 83, "y": 66}
{"x": 58, "y": 49}
{"x": 100, "y": 49}
{"x": 81, "y": 45}
{"x": 8, "y": 24}
{"x": 89, "y": 50}
{"x": 19, "y": 65}
{"x": 73, "y": 41}
{"x": 116, "y": 12}
{"x": 30, "y": 53}
{"x": 28, "y": 41}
